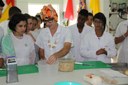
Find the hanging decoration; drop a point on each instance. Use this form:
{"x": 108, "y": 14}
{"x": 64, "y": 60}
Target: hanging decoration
{"x": 95, "y": 6}
{"x": 69, "y": 14}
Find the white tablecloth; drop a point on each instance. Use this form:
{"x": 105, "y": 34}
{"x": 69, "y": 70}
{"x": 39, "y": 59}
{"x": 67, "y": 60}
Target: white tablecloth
{"x": 49, "y": 74}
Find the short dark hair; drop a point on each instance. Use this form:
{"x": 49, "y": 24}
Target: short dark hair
{"x": 14, "y": 10}
{"x": 1, "y": 3}
{"x": 15, "y": 20}
{"x": 34, "y": 18}
{"x": 39, "y": 17}
{"x": 90, "y": 14}
{"x": 101, "y": 17}
{"x": 83, "y": 12}
{"x": 27, "y": 16}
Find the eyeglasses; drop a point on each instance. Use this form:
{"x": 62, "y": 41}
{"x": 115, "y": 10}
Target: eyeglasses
{"x": 48, "y": 21}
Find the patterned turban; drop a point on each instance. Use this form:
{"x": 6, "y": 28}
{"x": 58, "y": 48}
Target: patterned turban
{"x": 48, "y": 13}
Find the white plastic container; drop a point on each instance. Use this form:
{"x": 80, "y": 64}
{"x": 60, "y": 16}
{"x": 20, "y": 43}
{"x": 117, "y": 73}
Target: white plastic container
{"x": 66, "y": 65}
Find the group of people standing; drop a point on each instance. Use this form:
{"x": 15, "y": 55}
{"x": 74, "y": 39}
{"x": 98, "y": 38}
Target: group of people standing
{"x": 80, "y": 41}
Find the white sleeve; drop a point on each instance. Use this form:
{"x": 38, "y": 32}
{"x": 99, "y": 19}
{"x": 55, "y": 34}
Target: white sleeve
{"x": 68, "y": 36}
{"x": 31, "y": 43}
{"x": 39, "y": 41}
{"x": 119, "y": 29}
{"x": 85, "y": 49}
{"x": 111, "y": 50}
{"x": 32, "y": 55}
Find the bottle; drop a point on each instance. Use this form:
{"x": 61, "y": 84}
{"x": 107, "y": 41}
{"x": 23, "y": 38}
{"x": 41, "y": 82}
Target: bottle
{"x": 11, "y": 67}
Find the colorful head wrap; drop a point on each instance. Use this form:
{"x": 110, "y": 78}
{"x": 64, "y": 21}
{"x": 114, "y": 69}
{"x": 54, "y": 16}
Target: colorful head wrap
{"x": 48, "y": 13}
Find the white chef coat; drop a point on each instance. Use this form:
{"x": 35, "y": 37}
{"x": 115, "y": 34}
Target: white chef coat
{"x": 24, "y": 50}
{"x": 55, "y": 43}
{"x": 77, "y": 37}
{"x": 35, "y": 33}
{"x": 91, "y": 43}
{"x": 123, "y": 48}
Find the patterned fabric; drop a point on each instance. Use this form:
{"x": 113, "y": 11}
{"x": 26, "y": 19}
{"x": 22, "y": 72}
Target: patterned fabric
{"x": 48, "y": 12}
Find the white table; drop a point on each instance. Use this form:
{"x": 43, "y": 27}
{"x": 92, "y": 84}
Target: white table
{"x": 49, "y": 74}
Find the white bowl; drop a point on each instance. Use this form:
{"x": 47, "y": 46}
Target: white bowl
{"x": 67, "y": 83}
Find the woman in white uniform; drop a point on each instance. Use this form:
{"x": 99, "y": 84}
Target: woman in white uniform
{"x": 121, "y": 38}
{"x": 54, "y": 41}
{"x": 17, "y": 43}
{"x": 98, "y": 45}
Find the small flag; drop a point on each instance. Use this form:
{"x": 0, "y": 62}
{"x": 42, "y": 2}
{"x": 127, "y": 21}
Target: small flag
{"x": 69, "y": 14}
{"x": 95, "y": 6}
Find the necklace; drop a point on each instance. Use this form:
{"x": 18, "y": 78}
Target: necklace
{"x": 52, "y": 44}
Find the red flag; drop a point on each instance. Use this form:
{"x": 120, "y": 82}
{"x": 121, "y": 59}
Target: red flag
{"x": 10, "y": 1}
{"x": 69, "y": 10}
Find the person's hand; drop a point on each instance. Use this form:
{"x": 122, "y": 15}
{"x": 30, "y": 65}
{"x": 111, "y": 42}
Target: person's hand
{"x": 101, "y": 51}
{"x": 52, "y": 59}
